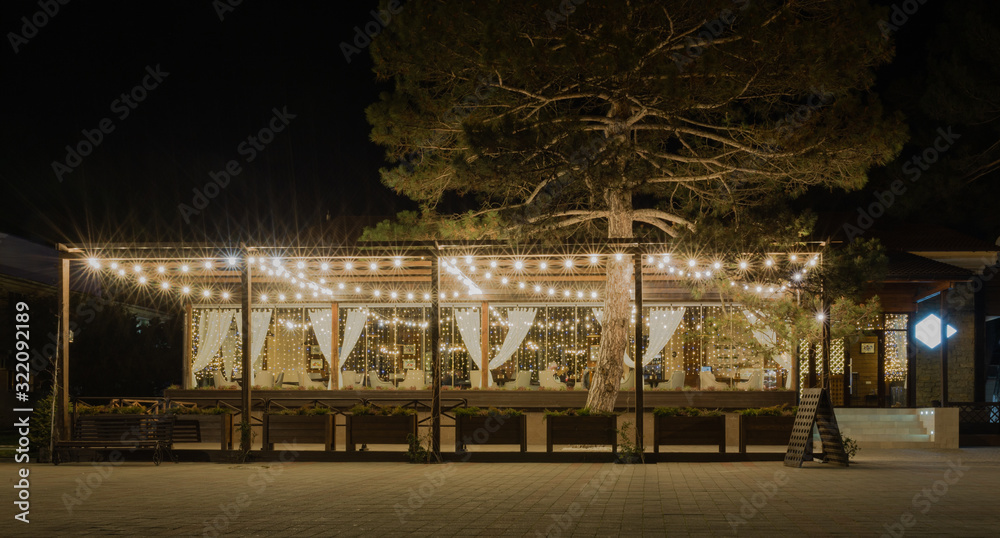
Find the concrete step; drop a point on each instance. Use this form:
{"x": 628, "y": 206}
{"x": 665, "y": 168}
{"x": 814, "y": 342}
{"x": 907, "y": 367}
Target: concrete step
{"x": 868, "y": 430}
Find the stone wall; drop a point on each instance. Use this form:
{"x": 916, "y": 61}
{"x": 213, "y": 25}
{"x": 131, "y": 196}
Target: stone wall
{"x": 961, "y": 371}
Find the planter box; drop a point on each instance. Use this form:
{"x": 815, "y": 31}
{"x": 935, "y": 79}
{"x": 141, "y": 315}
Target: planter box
{"x": 379, "y": 430}
{"x": 499, "y": 430}
{"x": 571, "y": 430}
{"x": 304, "y": 429}
{"x": 765, "y": 431}
{"x": 217, "y": 429}
{"x": 689, "y": 431}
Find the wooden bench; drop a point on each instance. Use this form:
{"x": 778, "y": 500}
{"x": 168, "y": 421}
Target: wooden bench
{"x": 133, "y": 432}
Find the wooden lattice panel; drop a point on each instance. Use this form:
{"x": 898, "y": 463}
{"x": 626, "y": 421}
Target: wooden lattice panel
{"x": 815, "y": 408}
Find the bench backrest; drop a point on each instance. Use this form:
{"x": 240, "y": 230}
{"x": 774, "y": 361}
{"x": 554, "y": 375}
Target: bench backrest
{"x": 124, "y": 428}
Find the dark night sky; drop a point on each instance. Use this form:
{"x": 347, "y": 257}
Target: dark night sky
{"x": 225, "y": 77}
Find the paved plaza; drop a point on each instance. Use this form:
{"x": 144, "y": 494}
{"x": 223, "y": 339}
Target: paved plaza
{"x": 887, "y": 492}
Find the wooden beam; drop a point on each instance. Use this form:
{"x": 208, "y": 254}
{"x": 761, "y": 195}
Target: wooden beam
{"x": 637, "y": 374}
{"x": 246, "y": 367}
{"x": 62, "y": 362}
{"x": 435, "y": 338}
{"x": 186, "y": 380}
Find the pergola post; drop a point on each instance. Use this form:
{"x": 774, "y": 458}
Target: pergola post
{"x": 435, "y": 355}
{"x": 186, "y": 365}
{"x": 62, "y": 361}
{"x": 825, "y": 381}
{"x": 245, "y": 367}
{"x": 639, "y": 403}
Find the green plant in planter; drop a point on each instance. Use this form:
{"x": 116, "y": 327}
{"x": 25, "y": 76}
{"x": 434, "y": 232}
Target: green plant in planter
{"x": 582, "y": 412}
{"x": 628, "y": 451}
{"x": 686, "y": 412}
{"x": 490, "y": 412}
{"x": 391, "y": 411}
{"x": 110, "y": 410}
{"x": 782, "y": 410}
{"x": 305, "y": 410}
{"x": 195, "y": 410}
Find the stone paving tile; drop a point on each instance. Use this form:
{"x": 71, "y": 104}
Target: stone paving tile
{"x": 914, "y": 492}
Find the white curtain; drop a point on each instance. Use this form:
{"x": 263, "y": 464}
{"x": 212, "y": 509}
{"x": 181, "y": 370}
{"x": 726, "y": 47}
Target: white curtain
{"x": 323, "y": 329}
{"x": 212, "y": 330}
{"x": 663, "y": 324}
{"x": 767, "y": 338}
{"x": 599, "y": 314}
{"x": 356, "y": 320}
{"x": 469, "y": 323}
{"x": 260, "y": 320}
{"x": 519, "y": 321}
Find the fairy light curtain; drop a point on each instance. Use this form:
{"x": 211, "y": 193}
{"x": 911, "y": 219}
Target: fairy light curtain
{"x": 229, "y": 351}
{"x": 663, "y": 323}
{"x": 322, "y": 319}
{"x": 519, "y": 322}
{"x": 212, "y": 331}
{"x": 469, "y": 322}
{"x": 356, "y": 320}
{"x": 767, "y": 338}
{"x": 260, "y": 321}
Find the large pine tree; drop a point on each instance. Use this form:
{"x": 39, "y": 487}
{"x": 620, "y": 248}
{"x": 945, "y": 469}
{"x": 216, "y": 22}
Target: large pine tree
{"x": 612, "y": 118}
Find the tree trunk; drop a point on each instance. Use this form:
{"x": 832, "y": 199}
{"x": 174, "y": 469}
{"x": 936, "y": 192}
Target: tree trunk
{"x": 617, "y": 310}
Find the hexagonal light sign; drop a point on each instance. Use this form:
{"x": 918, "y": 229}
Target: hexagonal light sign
{"x": 929, "y": 331}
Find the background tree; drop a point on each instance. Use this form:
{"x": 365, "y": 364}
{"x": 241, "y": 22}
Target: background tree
{"x": 624, "y": 119}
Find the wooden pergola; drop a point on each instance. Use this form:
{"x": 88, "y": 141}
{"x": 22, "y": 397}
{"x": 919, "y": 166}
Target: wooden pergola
{"x": 425, "y": 272}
